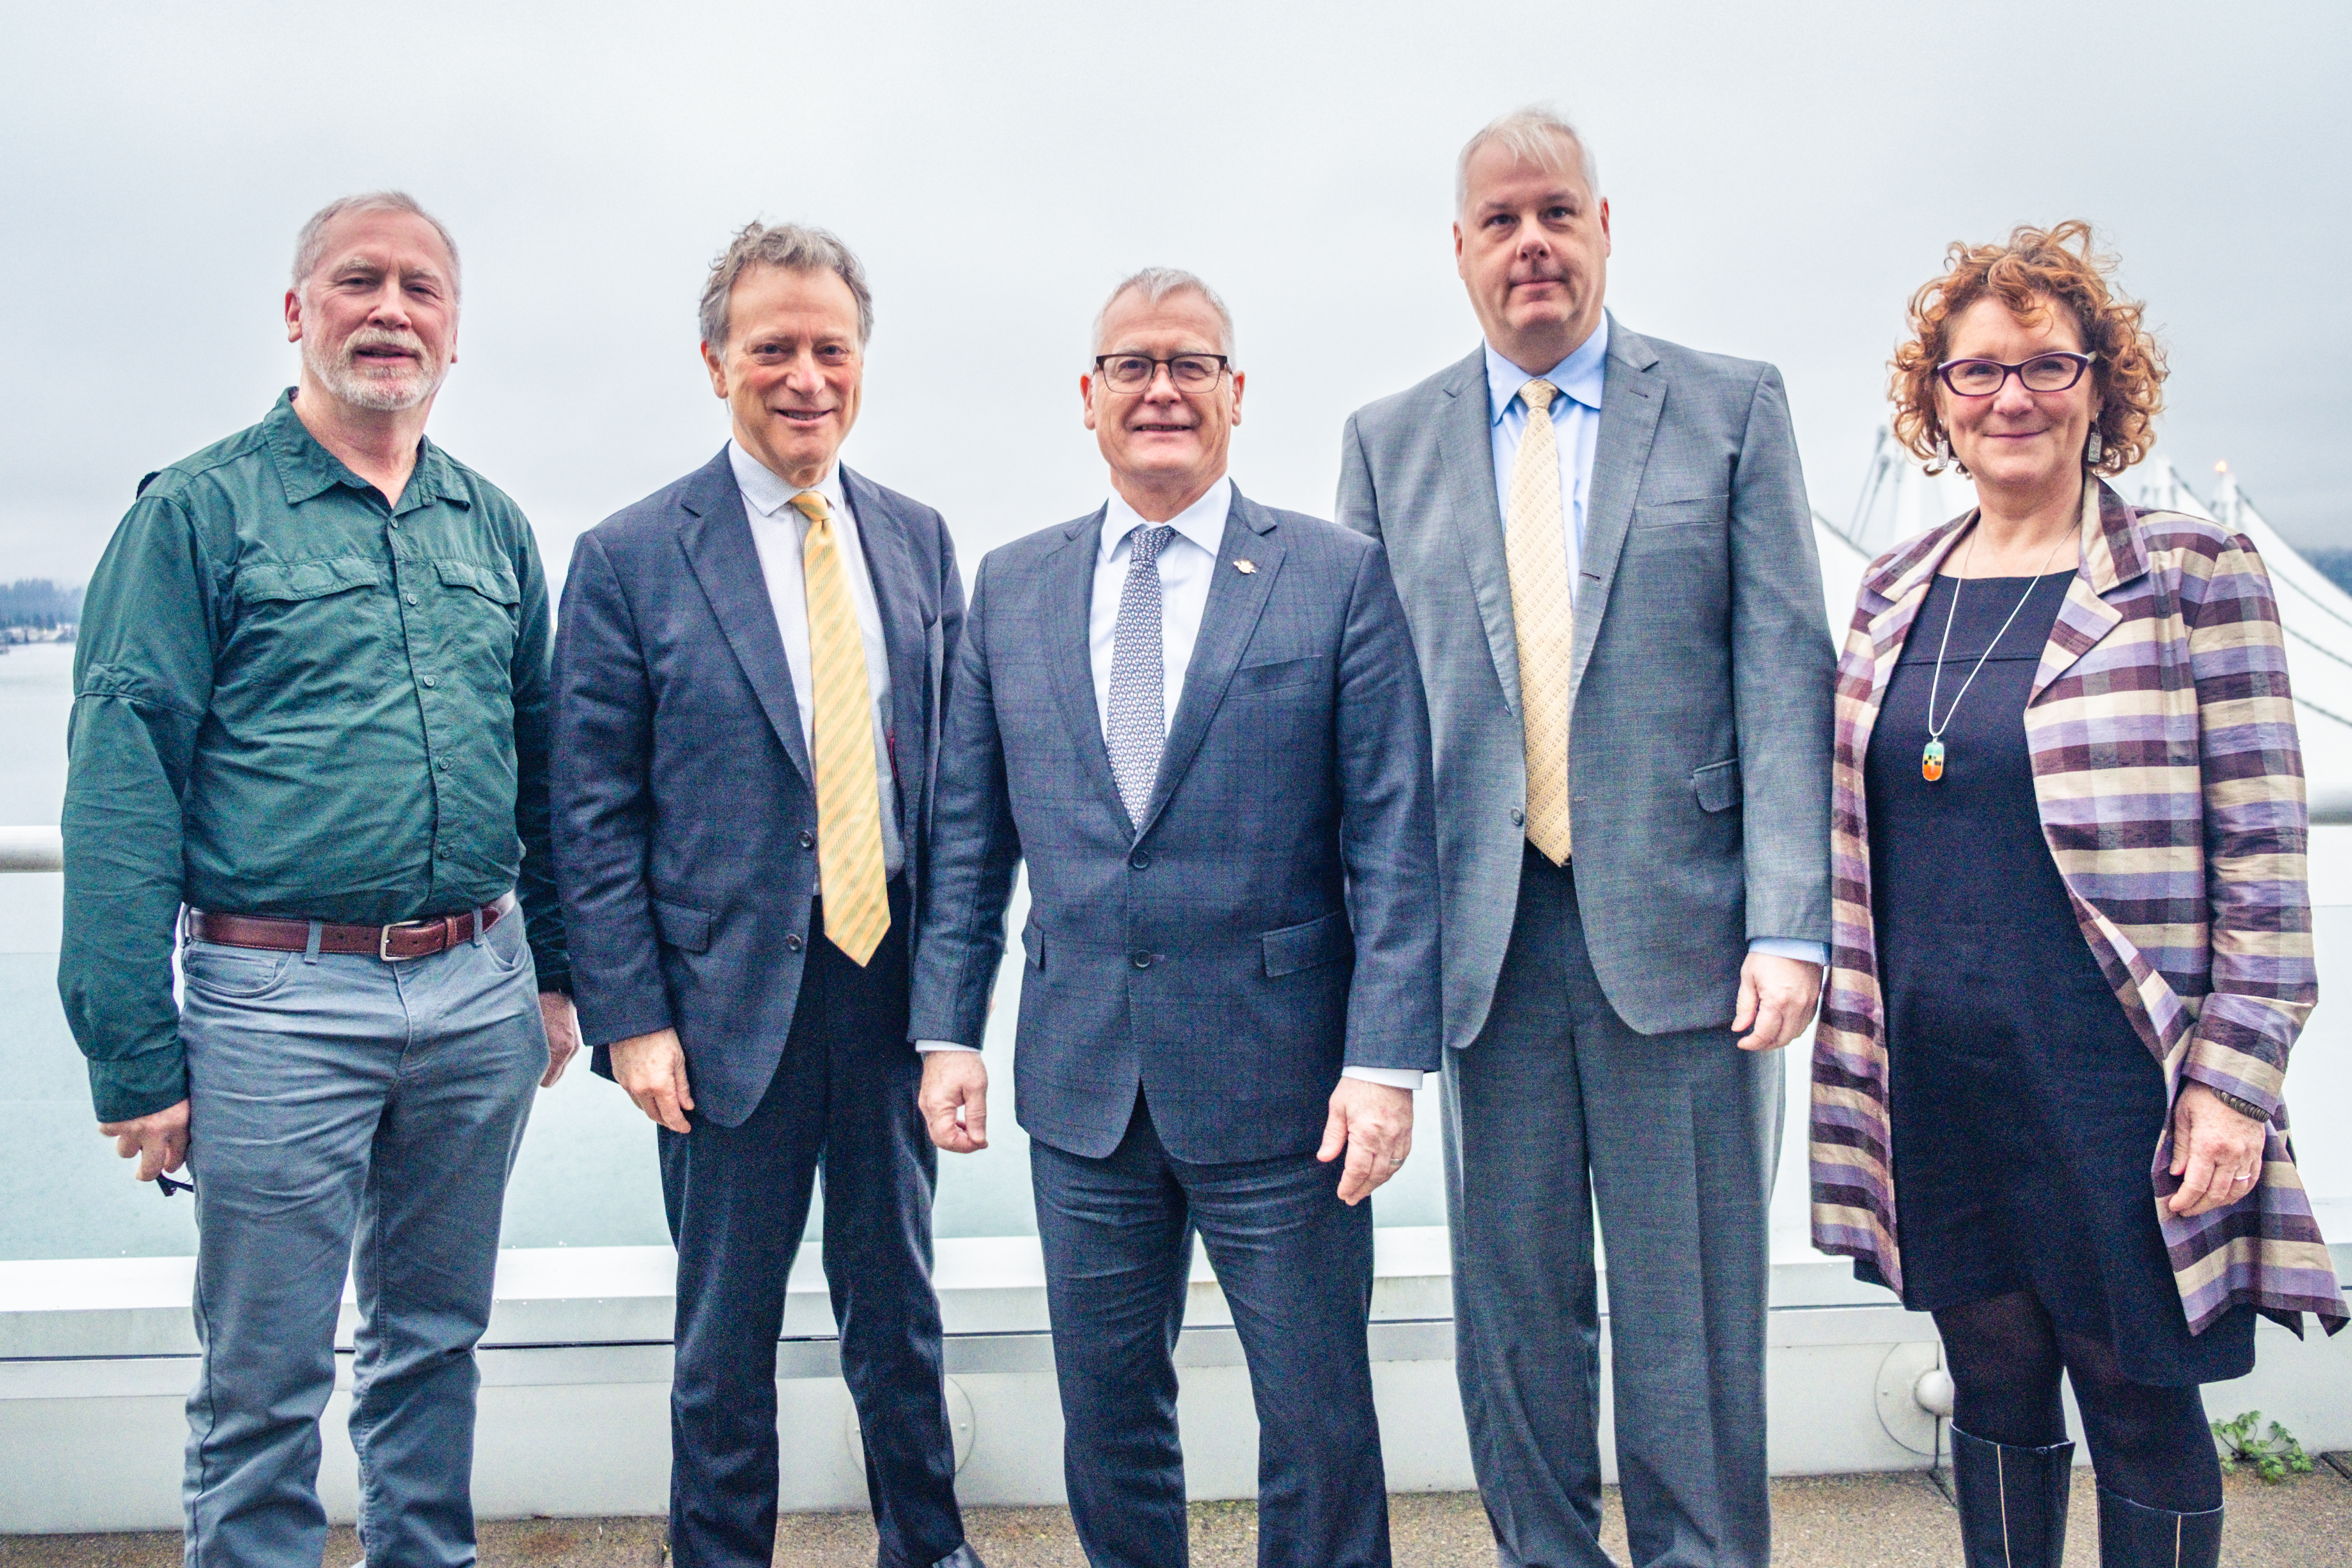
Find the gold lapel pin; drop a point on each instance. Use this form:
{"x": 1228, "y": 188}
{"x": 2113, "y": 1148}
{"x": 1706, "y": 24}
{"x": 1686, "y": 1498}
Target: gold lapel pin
{"x": 1244, "y": 566}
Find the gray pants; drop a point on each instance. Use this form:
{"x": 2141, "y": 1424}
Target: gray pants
{"x": 1558, "y": 1109}
{"x": 343, "y": 1109}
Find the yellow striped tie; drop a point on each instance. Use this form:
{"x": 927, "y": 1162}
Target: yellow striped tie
{"x": 1544, "y": 612}
{"x": 848, "y": 798}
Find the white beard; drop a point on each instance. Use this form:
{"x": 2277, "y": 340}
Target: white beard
{"x": 381, "y": 391}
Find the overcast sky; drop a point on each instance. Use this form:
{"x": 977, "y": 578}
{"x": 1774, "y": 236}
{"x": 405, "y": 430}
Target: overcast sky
{"x": 1781, "y": 176}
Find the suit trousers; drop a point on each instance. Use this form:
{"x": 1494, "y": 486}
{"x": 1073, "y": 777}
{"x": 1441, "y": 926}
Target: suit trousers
{"x": 1296, "y": 1264}
{"x": 1559, "y": 1109}
{"x": 842, "y": 1101}
{"x": 343, "y": 1110}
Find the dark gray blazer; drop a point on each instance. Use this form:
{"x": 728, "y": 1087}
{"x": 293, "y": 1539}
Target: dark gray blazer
{"x": 684, "y": 800}
{"x": 1270, "y": 922}
{"x": 1700, "y": 726}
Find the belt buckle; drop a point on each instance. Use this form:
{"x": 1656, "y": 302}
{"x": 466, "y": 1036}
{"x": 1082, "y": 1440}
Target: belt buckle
{"x": 384, "y": 942}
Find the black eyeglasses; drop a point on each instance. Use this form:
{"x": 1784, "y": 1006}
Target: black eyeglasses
{"x": 170, "y": 1187}
{"x": 1134, "y": 372}
{"x": 2052, "y": 371}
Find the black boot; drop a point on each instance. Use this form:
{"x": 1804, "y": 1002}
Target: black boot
{"x": 2013, "y": 1502}
{"x": 2134, "y": 1536}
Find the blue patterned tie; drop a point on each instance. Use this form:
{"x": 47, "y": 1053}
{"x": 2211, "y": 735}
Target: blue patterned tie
{"x": 1137, "y": 726}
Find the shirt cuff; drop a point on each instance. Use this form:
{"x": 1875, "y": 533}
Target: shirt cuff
{"x": 1813, "y": 952}
{"x": 928, "y": 1047}
{"x": 1392, "y": 1077}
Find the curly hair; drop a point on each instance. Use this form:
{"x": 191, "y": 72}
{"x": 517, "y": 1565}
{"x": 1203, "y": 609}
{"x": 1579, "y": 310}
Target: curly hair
{"x": 2033, "y": 270}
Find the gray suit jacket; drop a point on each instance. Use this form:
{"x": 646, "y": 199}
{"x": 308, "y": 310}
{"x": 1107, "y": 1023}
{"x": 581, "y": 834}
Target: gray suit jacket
{"x": 1267, "y": 924}
{"x": 1700, "y": 728}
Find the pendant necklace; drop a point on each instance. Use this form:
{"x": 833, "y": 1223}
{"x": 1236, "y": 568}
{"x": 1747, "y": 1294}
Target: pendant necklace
{"x": 1931, "y": 760}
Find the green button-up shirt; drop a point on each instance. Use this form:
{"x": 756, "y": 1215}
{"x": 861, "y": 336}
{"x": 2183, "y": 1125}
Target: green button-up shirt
{"x": 292, "y": 700}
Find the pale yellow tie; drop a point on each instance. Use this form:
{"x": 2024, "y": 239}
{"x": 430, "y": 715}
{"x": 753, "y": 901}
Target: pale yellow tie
{"x": 1545, "y": 615}
{"x": 848, "y": 798}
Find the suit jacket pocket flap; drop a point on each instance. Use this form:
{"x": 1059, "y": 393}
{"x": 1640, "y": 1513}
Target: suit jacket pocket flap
{"x": 1032, "y": 942}
{"x": 1294, "y": 948}
{"x": 292, "y": 580}
{"x": 1716, "y": 785}
{"x": 686, "y": 929}
{"x": 495, "y": 584}
{"x": 1282, "y": 673}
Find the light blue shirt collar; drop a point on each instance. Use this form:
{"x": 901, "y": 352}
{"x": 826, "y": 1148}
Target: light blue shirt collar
{"x": 1579, "y": 376}
{"x": 1202, "y": 522}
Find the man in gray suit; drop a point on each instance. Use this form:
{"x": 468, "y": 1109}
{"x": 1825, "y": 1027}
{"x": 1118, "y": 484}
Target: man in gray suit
{"x": 1198, "y": 720}
{"x": 1605, "y": 553}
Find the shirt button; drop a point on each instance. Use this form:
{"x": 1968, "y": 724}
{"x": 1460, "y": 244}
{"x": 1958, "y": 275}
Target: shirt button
{"x": 1141, "y": 860}
{"x": 426, "y": 681}
{"x": 1140, "y": 960}
{"x": 792, "y": 945}
{"x": 443, "y": 764}
{"x": 395, "y": 525}
{"x": 808, "y": 840}
{"x": 1519, "y": 817}
{"x": 412, "y": 598}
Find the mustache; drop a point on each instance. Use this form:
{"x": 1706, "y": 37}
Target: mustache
{"x": 383, "y": 338}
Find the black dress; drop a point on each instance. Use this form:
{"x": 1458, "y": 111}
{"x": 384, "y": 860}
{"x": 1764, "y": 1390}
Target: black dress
{"x": 2026, "y": 1110}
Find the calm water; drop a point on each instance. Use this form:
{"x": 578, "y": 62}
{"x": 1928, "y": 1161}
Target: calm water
{"x": 586, "y": 1177}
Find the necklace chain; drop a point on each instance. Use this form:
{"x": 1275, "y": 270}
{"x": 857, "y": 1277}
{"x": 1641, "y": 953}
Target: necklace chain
{"x": 1935, "y": 754}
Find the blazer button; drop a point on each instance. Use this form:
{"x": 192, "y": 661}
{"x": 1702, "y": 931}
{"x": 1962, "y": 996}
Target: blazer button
{"x": 791, "y": 944}
{"x": 1141, "y": 860}
{"x": 808, "y": 840}
{"x": 1140, "y": 960}
{"x": 1519, "y": 817}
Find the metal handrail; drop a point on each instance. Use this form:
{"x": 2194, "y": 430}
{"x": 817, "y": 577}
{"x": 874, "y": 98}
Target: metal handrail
{"x": 44, "y": 848}
{"x": 32, "y": 849}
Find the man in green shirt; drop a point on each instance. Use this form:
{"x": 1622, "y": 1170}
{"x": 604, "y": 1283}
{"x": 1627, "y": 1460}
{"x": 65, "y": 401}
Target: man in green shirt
{"x": 309, "y": 739}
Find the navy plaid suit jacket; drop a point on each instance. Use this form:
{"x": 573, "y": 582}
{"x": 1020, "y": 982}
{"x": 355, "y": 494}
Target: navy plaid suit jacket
{"x": 1273, "y": 920}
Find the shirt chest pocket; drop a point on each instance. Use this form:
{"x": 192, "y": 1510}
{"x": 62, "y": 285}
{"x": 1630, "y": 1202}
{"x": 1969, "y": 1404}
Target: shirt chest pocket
{"x": 473, "y": 620}
{"x": 296, "y": 618}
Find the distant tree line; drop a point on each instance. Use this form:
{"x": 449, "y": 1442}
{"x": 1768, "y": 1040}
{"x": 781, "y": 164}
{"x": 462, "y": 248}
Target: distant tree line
{"x": 2336, "y": 564}
{"x": 38, "y": 601}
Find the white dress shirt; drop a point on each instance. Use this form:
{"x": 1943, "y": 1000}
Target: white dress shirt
{"x": 1187, "y": 564}
{"x": 1576, "y": 427}
{"x": 778, "y": 530}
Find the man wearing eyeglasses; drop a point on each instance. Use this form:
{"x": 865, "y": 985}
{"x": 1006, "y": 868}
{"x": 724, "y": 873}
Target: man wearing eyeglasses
{"x": 1197, "y": 719}
{"x": 748, "y": 678}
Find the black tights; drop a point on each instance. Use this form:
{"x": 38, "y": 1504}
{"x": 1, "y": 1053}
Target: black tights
{"x": 2148, "y": 1445}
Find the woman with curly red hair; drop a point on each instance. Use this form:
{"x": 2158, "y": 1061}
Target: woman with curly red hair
{"x": 2072, "y": 937}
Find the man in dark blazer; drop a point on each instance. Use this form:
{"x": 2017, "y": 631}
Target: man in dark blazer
{"x": 1197, "y": 721}
{"x": 1604, "y": 544}
{"x": 749, "y": 677}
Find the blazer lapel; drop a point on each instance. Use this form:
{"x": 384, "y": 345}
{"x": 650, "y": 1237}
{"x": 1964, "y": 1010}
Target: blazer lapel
{"x": 718, "y": 542}
{"x": 1236, "y": 599}
{"x": 1631, "y": 398}
{"x": 890, "y": 565}
{"x": 1069, "y": 599}
{"x": 2113, "y": 554}
{"x": 1465, "y": 448}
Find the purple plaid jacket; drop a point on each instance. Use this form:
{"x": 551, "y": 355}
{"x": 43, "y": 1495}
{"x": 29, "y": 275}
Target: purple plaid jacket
{"x": 2170, "y": 782}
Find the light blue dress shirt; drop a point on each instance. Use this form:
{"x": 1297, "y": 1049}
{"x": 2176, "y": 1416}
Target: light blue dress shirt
{"x": 1576, "y": 428}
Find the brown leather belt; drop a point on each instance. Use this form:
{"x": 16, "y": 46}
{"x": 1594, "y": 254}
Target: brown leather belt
{"x": 392, "y": 944}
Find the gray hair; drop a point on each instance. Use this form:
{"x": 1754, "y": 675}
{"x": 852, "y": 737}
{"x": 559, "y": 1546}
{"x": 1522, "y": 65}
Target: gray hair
{"x": 311, "y": 245}
{"x": 1533, "y": 133}
{"x": 795, "y": 247}
{"x": 1156, "y": 284}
